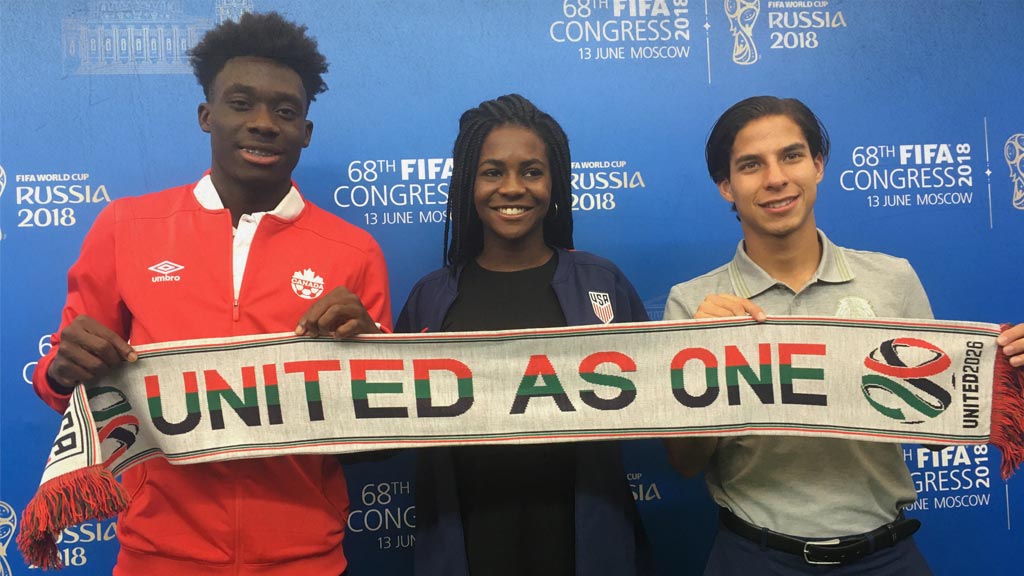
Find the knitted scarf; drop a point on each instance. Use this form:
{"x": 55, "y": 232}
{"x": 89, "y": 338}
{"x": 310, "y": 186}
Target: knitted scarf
{"x": 255, "y": 397}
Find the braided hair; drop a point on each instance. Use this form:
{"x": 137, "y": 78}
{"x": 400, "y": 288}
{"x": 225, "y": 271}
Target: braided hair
{"x": 463, "y": 231}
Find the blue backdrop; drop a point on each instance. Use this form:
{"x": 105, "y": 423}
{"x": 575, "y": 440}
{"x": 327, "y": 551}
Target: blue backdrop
{"x": 921, "y": 98}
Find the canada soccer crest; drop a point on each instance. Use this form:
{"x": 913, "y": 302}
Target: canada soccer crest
{"x": 602, "y": 304}
{"x": 306, "y": 284}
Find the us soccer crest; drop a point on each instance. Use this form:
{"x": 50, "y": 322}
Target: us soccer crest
{"x": 602, "y": 304}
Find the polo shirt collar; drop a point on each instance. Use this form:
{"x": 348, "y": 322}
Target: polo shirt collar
{"x": 748, "y": 279}
{"x": 288, "y": 208}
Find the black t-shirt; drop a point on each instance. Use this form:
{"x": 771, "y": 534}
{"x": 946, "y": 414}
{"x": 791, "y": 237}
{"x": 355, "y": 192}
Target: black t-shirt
{"x": 490, "y": 300}
{"x": 517, "y": 502}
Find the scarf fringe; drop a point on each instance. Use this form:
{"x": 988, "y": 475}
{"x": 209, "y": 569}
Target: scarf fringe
{"x": 1008, "y": 413}
{"x": 87, "y": 494}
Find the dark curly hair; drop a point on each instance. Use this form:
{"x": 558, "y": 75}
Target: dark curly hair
{"x": 466, "y": 231}
{"x": 267, "y": 36}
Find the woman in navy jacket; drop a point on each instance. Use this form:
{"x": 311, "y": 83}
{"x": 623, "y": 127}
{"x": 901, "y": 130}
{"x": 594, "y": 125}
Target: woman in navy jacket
{"x": 552, "y": 509}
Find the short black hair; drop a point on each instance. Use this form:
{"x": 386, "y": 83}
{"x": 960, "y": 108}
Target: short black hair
{"x": 267, "y": 36}
{"x": 463, "y": 223}
{"x": 718, "y": 149}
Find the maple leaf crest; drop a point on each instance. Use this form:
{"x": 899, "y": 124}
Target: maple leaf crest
{"x": 308, "y": 275}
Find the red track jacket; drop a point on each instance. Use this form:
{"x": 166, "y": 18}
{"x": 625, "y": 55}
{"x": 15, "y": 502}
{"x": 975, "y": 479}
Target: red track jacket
{"x": 269, "y": 516}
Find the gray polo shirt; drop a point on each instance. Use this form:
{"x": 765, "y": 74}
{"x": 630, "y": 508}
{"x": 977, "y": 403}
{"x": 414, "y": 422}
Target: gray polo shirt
{"x": 812, "y": 487}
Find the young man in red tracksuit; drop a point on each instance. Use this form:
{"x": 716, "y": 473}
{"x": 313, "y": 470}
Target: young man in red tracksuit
{"x": 240, "y": 252}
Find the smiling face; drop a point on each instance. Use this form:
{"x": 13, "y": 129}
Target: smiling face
{"x": 773, "y": 179}
{"x": 256, "y": 118}
{"x": 512, "y": 192}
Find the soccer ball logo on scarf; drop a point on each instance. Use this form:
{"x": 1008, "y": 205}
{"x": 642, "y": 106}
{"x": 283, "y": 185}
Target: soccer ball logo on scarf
{"x": 903, "y": 384}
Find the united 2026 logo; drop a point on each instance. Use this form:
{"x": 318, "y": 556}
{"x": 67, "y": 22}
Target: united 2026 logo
{"x": 901, "y": 385}
{"x": 117, "y": 428}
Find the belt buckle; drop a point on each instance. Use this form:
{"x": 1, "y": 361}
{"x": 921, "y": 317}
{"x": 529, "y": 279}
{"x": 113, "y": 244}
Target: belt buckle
{"x": 831, "y": 542}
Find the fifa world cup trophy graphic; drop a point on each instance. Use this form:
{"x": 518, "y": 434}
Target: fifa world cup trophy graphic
{"x": 742, "y": 15}
{"x": 1014, "y": 152}
{"x": 8, "y": 524}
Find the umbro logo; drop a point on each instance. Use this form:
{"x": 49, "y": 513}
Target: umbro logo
{"x": 166, "y": 270}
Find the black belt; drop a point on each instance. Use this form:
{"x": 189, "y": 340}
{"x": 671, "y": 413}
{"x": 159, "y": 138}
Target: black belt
{"x": 824, "y": 551}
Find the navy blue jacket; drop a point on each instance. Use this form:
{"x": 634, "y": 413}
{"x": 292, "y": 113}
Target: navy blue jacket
{"x": 610, "y": 540}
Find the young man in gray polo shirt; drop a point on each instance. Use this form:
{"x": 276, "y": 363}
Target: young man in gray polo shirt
{"x": 767, "y": 156}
